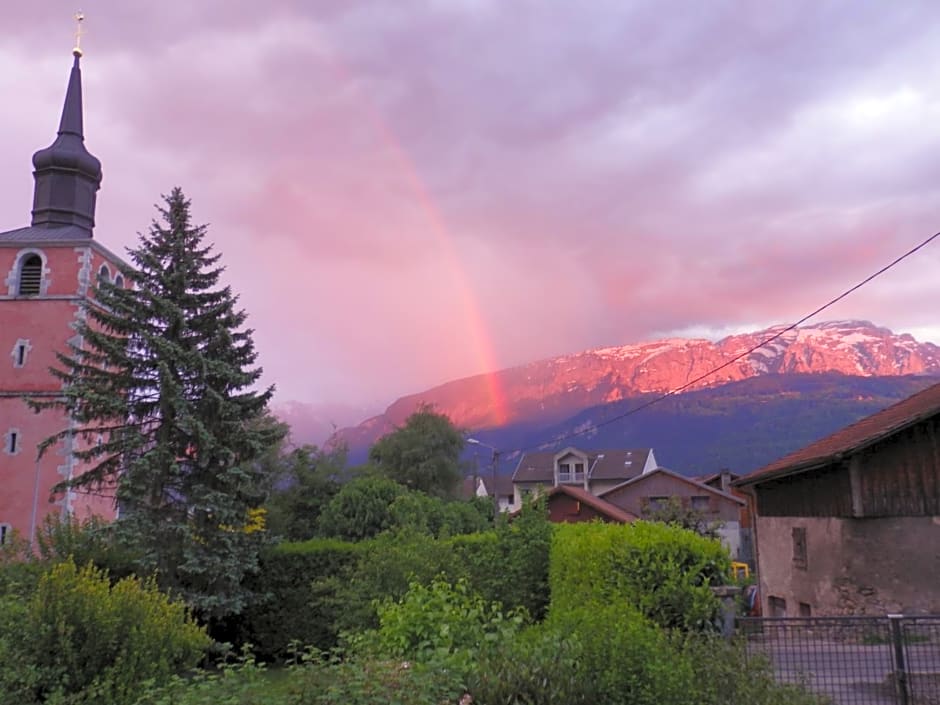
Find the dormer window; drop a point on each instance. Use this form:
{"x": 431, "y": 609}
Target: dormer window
{"x": 571, "y": 472}
{"x": 30, "y": 276}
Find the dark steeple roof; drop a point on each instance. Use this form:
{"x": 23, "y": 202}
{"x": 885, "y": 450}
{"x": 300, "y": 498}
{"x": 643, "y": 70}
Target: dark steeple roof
{"x": 67, "y": 175}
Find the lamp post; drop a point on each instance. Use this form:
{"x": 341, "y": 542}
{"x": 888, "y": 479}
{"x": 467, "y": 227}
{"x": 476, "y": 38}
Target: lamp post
{"x": 495, "y": 463}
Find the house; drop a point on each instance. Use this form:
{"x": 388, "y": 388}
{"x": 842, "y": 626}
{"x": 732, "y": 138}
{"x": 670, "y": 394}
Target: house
{"x": 572, "y": 504}
{"x": 654, "y": 489}
{"x": 593, "y": 471}
{"x": 851, "y": 523}
{"x": 502, "y": 488}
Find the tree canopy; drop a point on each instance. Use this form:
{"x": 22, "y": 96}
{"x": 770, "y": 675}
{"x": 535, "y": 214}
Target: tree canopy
{"x": 424, "y": 454}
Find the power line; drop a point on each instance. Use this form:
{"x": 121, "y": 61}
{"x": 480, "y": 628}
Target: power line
{"x": 736, "y": 358}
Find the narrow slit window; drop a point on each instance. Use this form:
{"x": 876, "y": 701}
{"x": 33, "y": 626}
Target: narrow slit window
{"x": 30, "y": 276}
{"x": 6, "y": 532}
{"x": 12, "y": 443}
{"x": 21, "y": 354}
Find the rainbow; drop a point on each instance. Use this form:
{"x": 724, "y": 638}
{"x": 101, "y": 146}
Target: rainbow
{"x": 483, "y": 347}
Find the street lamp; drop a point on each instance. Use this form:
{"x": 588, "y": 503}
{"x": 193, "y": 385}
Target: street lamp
{"x": 495, "y": 463}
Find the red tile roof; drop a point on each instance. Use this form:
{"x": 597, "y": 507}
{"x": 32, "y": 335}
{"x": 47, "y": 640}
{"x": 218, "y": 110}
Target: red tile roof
{"x": 601, "y": 506}
{"x": 854, "y": 438}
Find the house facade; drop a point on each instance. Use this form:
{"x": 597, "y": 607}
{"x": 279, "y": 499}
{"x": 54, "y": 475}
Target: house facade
{"x": 655, "y": 488}
{"x": 570, "y": 504}
{"x": 593, "y": 471}
{"x": 48, "y": 271}
{"x": 851, "y": 524}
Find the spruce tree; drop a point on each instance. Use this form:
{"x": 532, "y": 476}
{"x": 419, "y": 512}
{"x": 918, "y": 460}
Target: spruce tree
{"x": 161, "y": 395}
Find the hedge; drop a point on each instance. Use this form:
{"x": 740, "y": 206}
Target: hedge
{"x": 288, "y": 608}
{"x": 663, "y": 571}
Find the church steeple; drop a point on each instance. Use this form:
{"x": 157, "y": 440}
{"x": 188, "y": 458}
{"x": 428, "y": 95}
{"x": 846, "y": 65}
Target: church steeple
{"x": 67, "y": 176}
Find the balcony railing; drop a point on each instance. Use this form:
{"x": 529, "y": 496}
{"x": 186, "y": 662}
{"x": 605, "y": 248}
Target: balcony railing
{"x": 569, "y": 478}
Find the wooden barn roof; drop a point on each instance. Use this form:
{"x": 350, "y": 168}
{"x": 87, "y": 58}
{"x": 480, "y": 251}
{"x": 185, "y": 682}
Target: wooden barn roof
{"x": 853, "y": 438}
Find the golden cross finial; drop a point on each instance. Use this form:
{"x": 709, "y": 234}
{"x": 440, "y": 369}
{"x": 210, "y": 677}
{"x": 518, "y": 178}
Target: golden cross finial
{"x": 79, "y": 33}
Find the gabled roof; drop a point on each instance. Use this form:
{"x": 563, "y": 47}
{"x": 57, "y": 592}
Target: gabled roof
{"x": 503, "y": 485}
{"x": 676, "y": 476}
{"x": 853, "y": 438}
{"x": 601, "y": 506}
{"x": 616, "y": 464}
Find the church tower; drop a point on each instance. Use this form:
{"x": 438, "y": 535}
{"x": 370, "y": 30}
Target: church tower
{"x": 47, "y": 271}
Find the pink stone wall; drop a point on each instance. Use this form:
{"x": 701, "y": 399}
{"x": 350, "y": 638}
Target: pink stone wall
{"x": 46, "y": 322}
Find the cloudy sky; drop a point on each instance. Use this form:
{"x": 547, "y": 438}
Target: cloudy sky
{"x": 407, "y": 192}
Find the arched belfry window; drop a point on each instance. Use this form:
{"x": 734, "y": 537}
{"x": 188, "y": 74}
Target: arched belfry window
{"x": 104, "y": 274}
{"x": 30, "y": 276}
{"x": 119, "y": 281}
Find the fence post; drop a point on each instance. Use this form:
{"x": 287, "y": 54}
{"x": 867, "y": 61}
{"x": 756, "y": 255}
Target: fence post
{"x": 900, "y": 669}
{"x": 728, "y": 595}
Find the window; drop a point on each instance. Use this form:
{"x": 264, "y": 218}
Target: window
{"x": 701, "y": 503}
{"x": 20, "y": 352}
{"x": 571, "y": 472}
{"x": 805, "y": 610}
{"x": 799, "y": 547}
{"x": 119, "y": 281}
{"x": 104, "y": 274}
{"x": 654, "y": 504}
{"x": 777, "y": 606}
{"x": 30, "y": 276}
{"x": 6, "y": 533}
{"x": 12, "y": 441}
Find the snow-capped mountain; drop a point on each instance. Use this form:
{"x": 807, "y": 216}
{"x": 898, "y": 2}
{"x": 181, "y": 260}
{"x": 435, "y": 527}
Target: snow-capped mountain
{"x": 549, "y": 391}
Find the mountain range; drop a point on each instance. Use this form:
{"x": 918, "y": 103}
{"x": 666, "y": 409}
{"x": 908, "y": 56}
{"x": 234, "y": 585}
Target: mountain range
{"x": 764, "y": 402}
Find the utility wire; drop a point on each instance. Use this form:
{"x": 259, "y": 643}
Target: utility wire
{"x": 736, "y": 358}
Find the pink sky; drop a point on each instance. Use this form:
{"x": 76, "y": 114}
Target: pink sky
{"x": 409, "y": 192}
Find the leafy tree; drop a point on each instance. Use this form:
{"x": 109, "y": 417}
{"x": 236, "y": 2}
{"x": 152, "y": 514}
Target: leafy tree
{"x": 161, "y": 391}
{"x": 675, "y": 513}
{"x": 361, "y": 509}
{"x": 307, "y": 481}
{"x": 424, "y": 454}
{"x": 437, "y": 517}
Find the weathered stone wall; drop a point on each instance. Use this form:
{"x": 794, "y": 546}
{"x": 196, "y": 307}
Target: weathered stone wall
{"x": 853, "y": 566}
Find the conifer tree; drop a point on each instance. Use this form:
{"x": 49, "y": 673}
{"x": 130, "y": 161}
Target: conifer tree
{"x": 161, "y": 395}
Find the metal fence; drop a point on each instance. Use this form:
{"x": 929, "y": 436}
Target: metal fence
{"x": 893, "y": 660}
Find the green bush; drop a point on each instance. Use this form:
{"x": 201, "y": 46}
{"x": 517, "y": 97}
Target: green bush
{"x": 82, "y": 640}
{"x": 297, "y": 587}
{"x": 373, "y": 682}
{"x": 724, "y": 673}
{"x": 663, "y": 571}
{"x": 508, "y": 565}
{"x": 91, "y": 540}
{"x": 443, "y": 625}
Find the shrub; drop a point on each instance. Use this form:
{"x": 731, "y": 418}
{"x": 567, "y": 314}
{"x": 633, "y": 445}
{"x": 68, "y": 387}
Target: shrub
{"x": 361, "y": 509}
{"x": 509, "y": 565}
{"x": 373, "y": 682}
{"x": 663, "y": 571}
{"x": 297, "y": 588}
{"x": 597, "y": 655}
{"x": 85, "y": 641}
{"x": 443, "y": 625}
{"x": 91, "y": 540}
{"x": 724, "y": 673}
